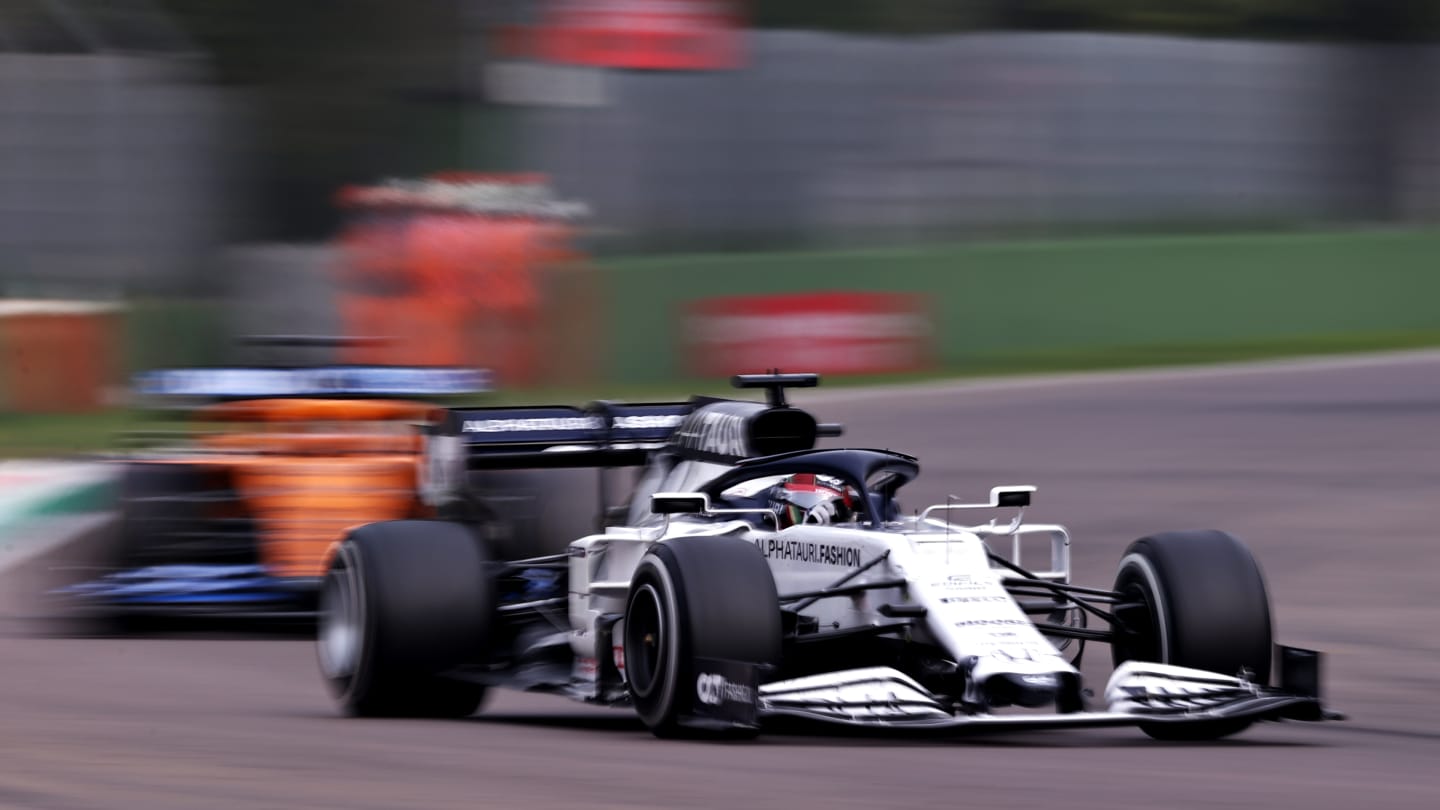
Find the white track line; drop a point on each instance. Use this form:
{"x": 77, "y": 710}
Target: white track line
{"x": 47, "y": 532}
{"x": 1322, "y": 363}
{"x": 33, "y": 485}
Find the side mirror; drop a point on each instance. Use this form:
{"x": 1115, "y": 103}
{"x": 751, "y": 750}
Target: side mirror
{"x": 679, "y": 503}
{"x": 1011, "y": 496}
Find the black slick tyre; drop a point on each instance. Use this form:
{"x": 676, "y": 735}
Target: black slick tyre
{"x": 694, "y": 599}
{"x": 1197, "y": 599}
{"x": 402, "y": 603}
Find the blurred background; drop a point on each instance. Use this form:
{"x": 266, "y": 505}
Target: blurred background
{"x": 582, "y": 193}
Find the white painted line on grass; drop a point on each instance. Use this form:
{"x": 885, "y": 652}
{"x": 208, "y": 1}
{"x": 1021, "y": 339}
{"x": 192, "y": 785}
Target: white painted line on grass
{"x": 41, "y": 499}
{"x": 34, "y": 537}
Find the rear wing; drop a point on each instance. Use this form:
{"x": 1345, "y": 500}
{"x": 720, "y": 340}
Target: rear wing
{"x": 316, "y": 381}
{"x": 602, "y": 434}
{"x": 613, "y": 434}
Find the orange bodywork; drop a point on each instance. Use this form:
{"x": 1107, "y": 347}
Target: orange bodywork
{"x": 310, "y": 469}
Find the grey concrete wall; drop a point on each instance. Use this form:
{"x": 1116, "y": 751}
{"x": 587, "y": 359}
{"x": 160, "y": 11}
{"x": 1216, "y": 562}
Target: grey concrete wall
{"x": 116, "y": 174}
{"x": 280, "y": 289}
{"x": 844, "y": 138}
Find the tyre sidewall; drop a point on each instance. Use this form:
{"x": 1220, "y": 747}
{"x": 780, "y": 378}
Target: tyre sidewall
{"x": 664, "y": 702}
{"x": 425, "y": 605}
{"x": 1208, "y": 610}
{"x": 1208, "y": 601}
{"x": 719, "y": 600}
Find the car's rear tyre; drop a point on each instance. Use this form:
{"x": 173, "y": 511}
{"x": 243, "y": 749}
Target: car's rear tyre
{"x": 1200, "y": 601}
{"x": 692, "y": 599}
{"x": 404, "y": 602}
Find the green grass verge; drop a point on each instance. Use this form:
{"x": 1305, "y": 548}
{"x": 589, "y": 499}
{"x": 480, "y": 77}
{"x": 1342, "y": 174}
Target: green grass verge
{"x": 60, "y": 434}
{"x": 171, "y": 333}
{"x": 1071, "y": 303}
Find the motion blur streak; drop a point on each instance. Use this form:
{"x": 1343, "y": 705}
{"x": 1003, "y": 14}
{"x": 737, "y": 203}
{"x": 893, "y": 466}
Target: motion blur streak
{"x": 241, "y": 723}
{"x": 582, "y": 199}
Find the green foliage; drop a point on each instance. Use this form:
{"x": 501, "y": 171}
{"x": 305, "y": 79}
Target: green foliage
{"x": 873, "y": 16}
{"x": 1382, "y": 20}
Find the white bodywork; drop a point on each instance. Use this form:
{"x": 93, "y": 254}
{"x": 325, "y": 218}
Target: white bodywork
{"x": 939, "y": 567}
{"x": 946, "y": 571}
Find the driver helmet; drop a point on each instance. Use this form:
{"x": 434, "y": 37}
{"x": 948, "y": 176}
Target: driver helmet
{"x": 809, "y": 498}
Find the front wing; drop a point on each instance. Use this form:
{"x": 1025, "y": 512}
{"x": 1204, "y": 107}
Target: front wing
{"x": 880, "y": 697}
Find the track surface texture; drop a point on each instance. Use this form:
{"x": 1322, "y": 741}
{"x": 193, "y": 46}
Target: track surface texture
{"x": 1329, "y": 471}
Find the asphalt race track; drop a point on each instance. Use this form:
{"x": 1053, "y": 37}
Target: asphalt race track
{"x": 1330, "y": 471}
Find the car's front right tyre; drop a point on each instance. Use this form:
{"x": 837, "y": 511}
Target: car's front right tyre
{"x": 698, "y": 605}
{"x": 402, "y": 605}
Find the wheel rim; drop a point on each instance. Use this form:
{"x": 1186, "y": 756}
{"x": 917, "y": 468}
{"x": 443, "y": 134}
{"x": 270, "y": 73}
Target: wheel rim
{"x": 341, "y": 622}
{"x": 645, "y": 641}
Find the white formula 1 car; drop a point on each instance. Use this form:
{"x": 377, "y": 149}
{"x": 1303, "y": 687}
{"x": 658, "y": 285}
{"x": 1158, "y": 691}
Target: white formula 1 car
{"x": 753, "y": 576}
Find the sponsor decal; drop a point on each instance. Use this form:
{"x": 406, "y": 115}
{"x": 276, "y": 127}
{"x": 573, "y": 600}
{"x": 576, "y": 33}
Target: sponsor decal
{"x": 727, "y": 691}
{"x": 644, "y": 422}
{"x": 1010, "y": 651}
{"x": 535, "y": 424}
{"x": 713, "y": 690}
{"x": 961, "y": 582}
{"x": 802, "y": 551}
{"x": 828, "y": 332}
{"x": 722, "y": 434}
{"x": 991, "y": 623}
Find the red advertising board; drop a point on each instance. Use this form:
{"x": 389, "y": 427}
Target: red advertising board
{"x": 835, "y": 333}
{"x": 642, "y": 34}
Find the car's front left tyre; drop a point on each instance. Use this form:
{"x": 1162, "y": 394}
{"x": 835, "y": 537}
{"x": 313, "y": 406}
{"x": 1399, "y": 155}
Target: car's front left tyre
{"x": 1194, "y": 599}
{"x": 403, "y": 604}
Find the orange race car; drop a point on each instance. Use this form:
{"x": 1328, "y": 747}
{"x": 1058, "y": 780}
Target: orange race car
{"x": 237, "y": 518}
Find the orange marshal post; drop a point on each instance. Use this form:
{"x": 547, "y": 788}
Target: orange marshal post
{"x": 449, "y": 270}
